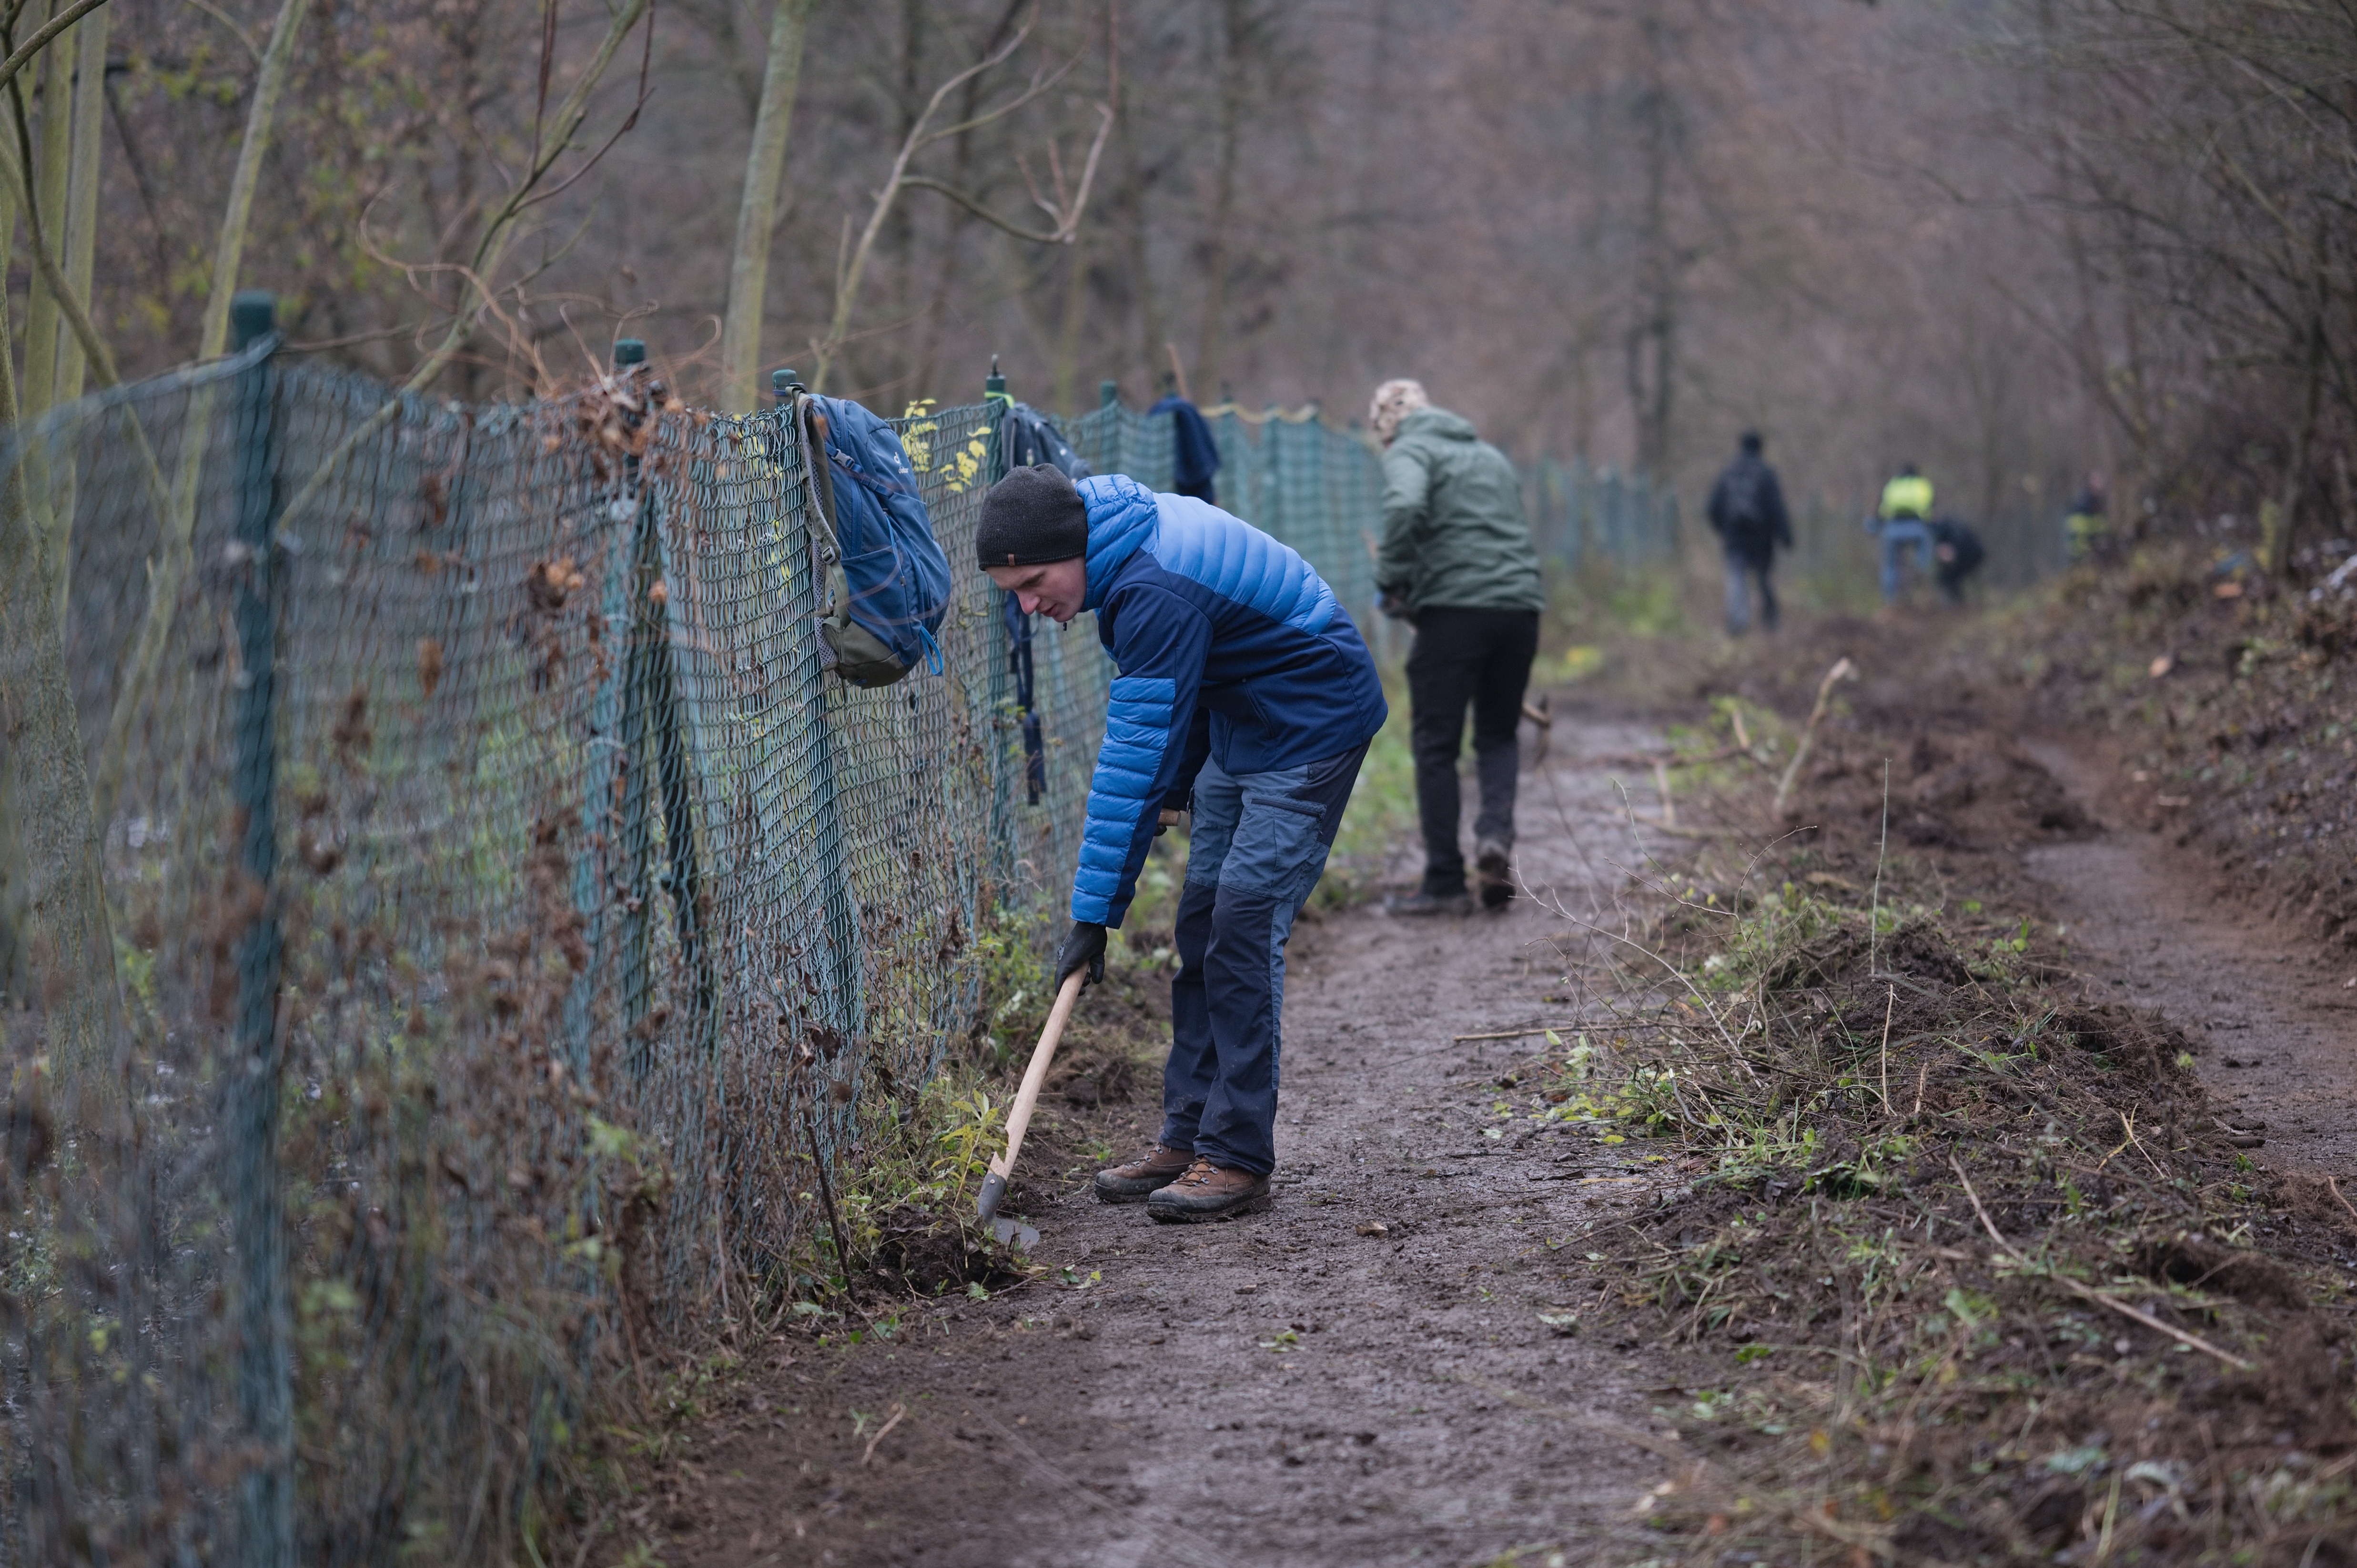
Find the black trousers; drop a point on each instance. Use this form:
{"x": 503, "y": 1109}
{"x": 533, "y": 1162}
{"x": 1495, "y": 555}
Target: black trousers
{"x": 1461, "y": 658}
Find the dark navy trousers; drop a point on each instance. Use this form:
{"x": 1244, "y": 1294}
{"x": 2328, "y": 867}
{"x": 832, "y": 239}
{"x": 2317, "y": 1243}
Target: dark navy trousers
{"x": 1258, "y": 844}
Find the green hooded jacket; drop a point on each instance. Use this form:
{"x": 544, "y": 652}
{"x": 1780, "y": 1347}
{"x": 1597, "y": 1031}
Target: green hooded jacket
{"x": 1454, "y": 535}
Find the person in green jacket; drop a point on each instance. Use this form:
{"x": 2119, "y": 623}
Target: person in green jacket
{"x": 1457, "y": 563}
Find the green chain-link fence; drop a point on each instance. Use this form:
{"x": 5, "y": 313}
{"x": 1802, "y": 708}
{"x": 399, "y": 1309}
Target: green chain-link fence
{"x": 509, "y": 919}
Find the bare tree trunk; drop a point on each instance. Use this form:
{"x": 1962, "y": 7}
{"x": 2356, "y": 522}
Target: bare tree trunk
{"x": 1141, "y": 258}
{"x": 65, "y": 958}
{"x": 82, "y": 185}
{"x": 765, "y": 168}
{"x": 171, "y": 563}
{"x": 48, "y": 180}
{"x": 1236, "y": 24}
{"x": 81, "y": 225}
{"x": 50, "y": 173}
{"x": 1076, "y": 315}
{"x": 56, "y": 951}
{"x": 945, "y": 271}
{"x": 2279, "y": 517}
{"x": 1652, "y": 341}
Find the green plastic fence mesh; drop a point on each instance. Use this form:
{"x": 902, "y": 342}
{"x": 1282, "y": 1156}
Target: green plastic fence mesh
{"x": 511, "y": 922}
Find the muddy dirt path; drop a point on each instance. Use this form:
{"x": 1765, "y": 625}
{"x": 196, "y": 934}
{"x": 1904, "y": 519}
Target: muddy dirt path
{"x": 1361, "y": 1375}
{"x": 2149, "y": 923}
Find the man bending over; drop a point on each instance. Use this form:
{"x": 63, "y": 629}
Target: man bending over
{"x": 1245, "y": 691}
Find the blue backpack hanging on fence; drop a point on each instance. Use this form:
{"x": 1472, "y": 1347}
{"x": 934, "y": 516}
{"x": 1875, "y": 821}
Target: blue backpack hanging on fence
{"x": 888, "y": 583}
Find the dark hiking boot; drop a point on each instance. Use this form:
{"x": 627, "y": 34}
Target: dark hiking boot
{"x": 1208, "y": 1192}
{"x": 1141, "y": 1178}
{"x": 1420, "y": 903}
{"x": 1497, "y": 874}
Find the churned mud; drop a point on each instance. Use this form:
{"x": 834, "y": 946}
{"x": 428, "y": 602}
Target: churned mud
{"x": 1366, "y": 1373}
{"x": 1416, "y": 1355}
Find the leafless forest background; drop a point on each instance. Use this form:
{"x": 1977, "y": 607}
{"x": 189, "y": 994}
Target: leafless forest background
{"x": 2011, "y": 240}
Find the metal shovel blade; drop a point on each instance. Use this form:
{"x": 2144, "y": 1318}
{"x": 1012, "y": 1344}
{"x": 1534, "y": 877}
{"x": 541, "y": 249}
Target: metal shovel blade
{"x": 1015, "y": 1234}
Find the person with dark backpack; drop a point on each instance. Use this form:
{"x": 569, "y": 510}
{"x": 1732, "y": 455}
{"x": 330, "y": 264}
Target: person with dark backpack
{"x": 1746, "y": 512}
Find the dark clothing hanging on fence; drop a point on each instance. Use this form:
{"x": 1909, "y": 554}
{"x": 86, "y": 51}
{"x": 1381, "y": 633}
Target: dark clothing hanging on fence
{"x": 1026, "y": 437}
{"x": 1194, "y": 455}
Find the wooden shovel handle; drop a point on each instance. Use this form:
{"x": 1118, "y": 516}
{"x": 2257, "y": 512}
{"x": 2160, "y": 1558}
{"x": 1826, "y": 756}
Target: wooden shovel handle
{"x": 1018, "y": 1118}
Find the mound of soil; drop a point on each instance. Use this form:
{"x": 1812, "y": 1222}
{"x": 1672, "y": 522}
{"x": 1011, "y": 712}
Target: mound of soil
{"x": 2235, "y": 715}
{"x": 1986, "y": 1271}
{"x": 926, "y": 1254}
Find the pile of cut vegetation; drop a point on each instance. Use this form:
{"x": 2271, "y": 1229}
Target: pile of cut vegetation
{"x": 1971, "y": 1269}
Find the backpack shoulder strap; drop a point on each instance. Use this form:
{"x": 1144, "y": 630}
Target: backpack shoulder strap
{"x": 811, "y": 420}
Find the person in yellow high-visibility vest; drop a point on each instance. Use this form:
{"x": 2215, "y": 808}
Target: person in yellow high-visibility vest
{"x": 1907, "y": 497}
{"x": 2086, "y": 532}
{"x": 1903, "y": 520}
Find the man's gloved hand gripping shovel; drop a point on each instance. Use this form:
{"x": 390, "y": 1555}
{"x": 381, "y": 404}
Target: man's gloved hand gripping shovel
{"x": 1080, "y": 960}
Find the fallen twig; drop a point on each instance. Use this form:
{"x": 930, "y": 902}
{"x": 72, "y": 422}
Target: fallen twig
{"x": 1889, "y": 1008}
{"x": 826, "y": 1195}
{"x": 1843, "y": 670}
{"x": 2088, "y": 1292}
{"x": 2336, "y": 1192}
{"x": 899, "y": 1410}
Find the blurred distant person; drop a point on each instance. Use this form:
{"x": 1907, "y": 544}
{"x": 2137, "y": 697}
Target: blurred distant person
{"x": 1746, "y": 512}
{"x": 2087, "y": 531}
{"x": 1903, "y": 521}
{"x": 1457, "y": 563}
{"x": 1956, "y": 555}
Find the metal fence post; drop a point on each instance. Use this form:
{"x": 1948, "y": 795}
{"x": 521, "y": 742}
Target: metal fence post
{"x": 257, "y": 1205}
{"x": 650, "y": 718}
{"x": 843, "y": 1002}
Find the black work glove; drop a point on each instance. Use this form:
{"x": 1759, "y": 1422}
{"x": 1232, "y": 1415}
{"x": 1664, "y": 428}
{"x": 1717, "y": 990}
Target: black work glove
{"x": 1395, "y": 605}
{"x": 1083, "y": 949}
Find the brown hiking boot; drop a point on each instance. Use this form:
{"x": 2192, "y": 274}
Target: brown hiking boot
{"x": 1139, "y": 1179}
{"x": 1208, "y": 1192}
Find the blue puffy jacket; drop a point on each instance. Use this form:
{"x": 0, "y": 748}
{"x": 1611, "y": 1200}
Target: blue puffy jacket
{"x": 1229, "y": 646}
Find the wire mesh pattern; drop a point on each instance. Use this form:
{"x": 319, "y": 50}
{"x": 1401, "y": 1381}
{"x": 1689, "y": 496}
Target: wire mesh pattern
{"x": 509, "y": 920}
{"x": 1584, "y": 516}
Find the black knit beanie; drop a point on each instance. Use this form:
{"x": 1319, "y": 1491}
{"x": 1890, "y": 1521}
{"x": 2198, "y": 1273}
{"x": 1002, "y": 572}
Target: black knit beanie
{"x": 1031, "y": 517}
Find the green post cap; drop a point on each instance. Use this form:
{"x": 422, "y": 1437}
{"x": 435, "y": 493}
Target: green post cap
{"x": 995, "y": 384}
{"x": 782, "y": 384}
{"x": 1108, "y": 393}
{"x": 629, "y": 351}
{"x": 253, "y": 313}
